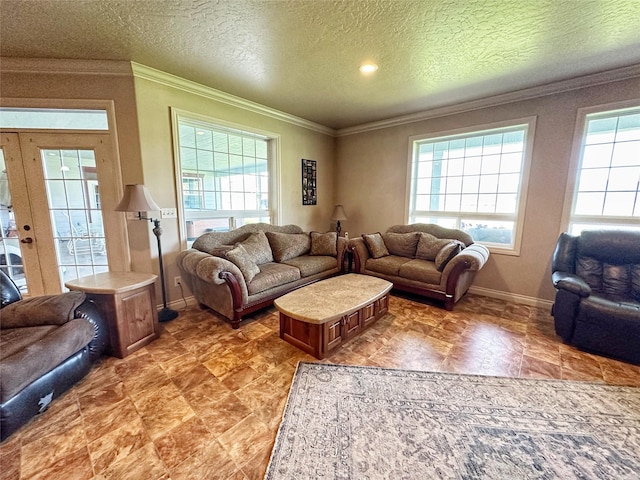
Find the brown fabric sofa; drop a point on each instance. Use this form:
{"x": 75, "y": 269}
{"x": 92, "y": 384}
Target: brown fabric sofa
{"x": 47, "y": 344}
{"x": 420, "y": 258}
{"x": 238, "y": 272}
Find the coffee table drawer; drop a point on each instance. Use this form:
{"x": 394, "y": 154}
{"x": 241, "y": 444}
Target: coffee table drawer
{"x": 332, "y": 335}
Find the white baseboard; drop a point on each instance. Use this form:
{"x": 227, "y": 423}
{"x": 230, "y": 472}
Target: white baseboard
{"x": 179, "y": 304}
{"x": 511, "y": 297}
{"x": 485, "y": 292}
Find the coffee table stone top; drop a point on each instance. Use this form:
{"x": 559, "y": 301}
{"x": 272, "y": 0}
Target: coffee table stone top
{"x": 332, "y": 298}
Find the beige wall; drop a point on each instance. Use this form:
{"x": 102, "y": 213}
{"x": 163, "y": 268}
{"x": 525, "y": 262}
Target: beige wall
{"x": 154, "y": 101}
{"x": 371, "y": 179}
{"x": 107, "y": 86}
{"x": 85, "y": 80}
{"x": 142, "y": 111}
{"x": 366, "y": 172}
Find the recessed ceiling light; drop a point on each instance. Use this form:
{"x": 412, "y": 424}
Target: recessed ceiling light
{"x": 368, "y": 67}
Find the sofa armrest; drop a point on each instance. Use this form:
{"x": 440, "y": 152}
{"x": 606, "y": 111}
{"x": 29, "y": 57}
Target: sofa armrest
{"x": 571, "y": 283}
{"x": 196, "y": 266}
{"x": 342, "y": 247}
{"x": 360, "y": 253}
{"x": 475, "y": 256}
{"x": 206, "y": 267}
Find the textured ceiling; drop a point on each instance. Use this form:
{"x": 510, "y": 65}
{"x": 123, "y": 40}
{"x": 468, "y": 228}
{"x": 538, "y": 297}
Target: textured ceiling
{"x": 302, "y": 56}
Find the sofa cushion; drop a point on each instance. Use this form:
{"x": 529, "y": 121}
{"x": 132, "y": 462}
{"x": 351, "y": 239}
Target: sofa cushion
{"x": 616, "y": 279}
{"x": 421, "y": 271}
{"x": 43, "y": 310}
{"x": 402, "y": 244}
{"x": 288, "y": 245}
{"x": 375, "y": 245}
{"x": 446, "y": 253}
{"x": 42, "y": 355}
{"x": 635, "y": 281}
{"x": 272, "y": 275}
{"x": 389, "y": 265}
{"x": 15, "y": 339}
{"x": 324, "y": 244}
{"x": 244, "y": 262}
{"x": 312, "y": 264}
{"x": 258, "y": 248}
{"x": 206, "y": 243}
{"x": 590, "y": 269}
{"x": 429, "y": 246}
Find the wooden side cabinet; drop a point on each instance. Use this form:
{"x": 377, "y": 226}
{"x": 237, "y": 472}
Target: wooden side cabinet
{"x": 128, "y": 302}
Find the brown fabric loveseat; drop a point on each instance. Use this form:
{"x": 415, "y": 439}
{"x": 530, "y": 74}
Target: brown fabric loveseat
{"x": 420, "y": 258}
{"x": 238, "y": 272}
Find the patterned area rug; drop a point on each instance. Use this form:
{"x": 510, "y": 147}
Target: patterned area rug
{"x": 345, "y": 422}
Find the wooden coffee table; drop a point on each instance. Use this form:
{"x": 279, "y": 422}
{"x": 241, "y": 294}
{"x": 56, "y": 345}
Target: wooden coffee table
{"x": 322, "y": 316}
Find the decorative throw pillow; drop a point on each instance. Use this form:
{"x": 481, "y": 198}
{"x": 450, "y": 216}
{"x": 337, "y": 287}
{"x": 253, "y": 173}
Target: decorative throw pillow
{"x": 258, "y": 248}
{"x": 286, "y": 246}
{"x": 324, "y": 244}
{"x": 44, "y": 310}
{"x": 446, "y": 253}
{"x": 375, "y": 245}
{"x": 429, "y": 246}
{"x": 220, "y": 250}
{"x": 244, "y": 262}
{"x": 401, "y": 244}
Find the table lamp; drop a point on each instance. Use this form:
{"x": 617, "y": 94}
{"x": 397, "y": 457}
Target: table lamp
{"x": 338, "y": 215}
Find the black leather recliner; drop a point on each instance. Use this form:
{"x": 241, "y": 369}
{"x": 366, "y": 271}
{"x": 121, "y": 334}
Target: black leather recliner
{"x": 597, "y": 280}
{"x": 47, "y": 344}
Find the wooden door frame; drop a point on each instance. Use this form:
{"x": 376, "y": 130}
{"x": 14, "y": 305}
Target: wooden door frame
{"x": 121, "y": 260}
{"x": 114, "y": 222}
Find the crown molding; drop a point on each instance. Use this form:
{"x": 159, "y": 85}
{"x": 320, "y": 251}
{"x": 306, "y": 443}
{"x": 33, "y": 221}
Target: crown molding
{"x": 148, "y": 73}
{"x": 495, "y": 100}
{"x": 64, "y": 66}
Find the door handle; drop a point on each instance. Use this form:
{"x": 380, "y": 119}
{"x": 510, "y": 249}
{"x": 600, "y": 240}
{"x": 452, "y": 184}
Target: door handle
{"x": 27, "y": 240}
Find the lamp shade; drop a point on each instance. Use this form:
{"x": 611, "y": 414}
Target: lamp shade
{"x": 136, "y": 198}
{"x": 338, "y": 213}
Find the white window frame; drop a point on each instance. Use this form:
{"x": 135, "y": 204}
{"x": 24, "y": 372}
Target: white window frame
{"x": 177, "y": 116}
{"x": 568, "y": 218}
{"x": 518, "y": 217}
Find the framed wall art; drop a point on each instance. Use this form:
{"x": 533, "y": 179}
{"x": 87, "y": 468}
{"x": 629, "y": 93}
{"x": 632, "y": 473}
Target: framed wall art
{"x": 309, "y": 188}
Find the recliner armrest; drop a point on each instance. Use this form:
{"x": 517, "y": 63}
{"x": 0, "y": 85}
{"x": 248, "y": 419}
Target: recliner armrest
{"x": 90, "y": 312}
{"x": 571, "y": 283}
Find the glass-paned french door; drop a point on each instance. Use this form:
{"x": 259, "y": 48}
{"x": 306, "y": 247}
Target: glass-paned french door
{"x": 62, "y": 192}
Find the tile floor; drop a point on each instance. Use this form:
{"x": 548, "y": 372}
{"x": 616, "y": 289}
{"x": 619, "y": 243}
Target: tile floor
{"x": 205, "y": 401}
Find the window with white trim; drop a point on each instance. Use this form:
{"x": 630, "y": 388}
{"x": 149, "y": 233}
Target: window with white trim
{"x": 474, "y": 181}
{"x": 607, "y": 182}
{"x": 224, "y": 176}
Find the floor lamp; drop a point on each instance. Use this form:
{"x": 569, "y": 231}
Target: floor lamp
{"x": 137, "y": 199}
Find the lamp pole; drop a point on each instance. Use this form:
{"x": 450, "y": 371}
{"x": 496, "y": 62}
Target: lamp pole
{"x": 166, "y": 313}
